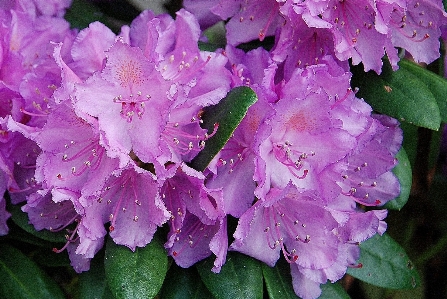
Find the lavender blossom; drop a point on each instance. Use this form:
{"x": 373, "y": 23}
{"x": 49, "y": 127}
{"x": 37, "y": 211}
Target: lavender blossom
{"x": 130, "y": 201}
{"x": 361, "y": 31}
{"x": 198, "y": 219}
{"x": 317, "y": 164}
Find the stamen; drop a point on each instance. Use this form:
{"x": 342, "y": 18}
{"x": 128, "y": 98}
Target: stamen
{"x": 70, "y": 239}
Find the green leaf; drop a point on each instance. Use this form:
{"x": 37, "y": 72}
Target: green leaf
{"x": 279, "y": 281}
{"x": 18, "y": 234}
{"x": 184, "y": 284}
{"x": 279, "y": 284}
{"x": 333, "y": 291}
{"x": 228, "y": 114}
{"x": 82, "y": 12}
{"x": 435, "y": 83}
{"x": 48, "y": 258}
{"x": 138, "y": 274}
{"x": 92, "y": 283}
{"x": 21, "y": 219}
{"x": 385, "y": 264}
{"x": 403, "y": 173}
{"x": 22, "y": 278}
{"x": 400, "y": 94}
{"x": 240, "y": 277}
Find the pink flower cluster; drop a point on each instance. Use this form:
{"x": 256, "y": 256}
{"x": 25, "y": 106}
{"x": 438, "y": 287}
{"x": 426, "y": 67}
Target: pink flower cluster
{"x": 306, "y": 31}
{"x": 98, "y": 129}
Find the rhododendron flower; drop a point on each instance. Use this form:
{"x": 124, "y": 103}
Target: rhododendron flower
{"x": 27, "y": 49}
{"x": 44, "y": 213}
{"x": 361, "y": 31}
{"x": 233, "y": 168}
{"x": 131, "y": 203}
{"x": 198, "y": 222}
{"x": 315, "y": 159}
{"x": 72, "y": 156}
{"x": 305, "y": 136}
{"x": 298, "y": 224}
{"x": 38, "y": 7}
{"x": 98, "y": 129}
{"x": 126, "y": 94}
{"x": 166, "y": 94}
{"x": 23, "y": 153}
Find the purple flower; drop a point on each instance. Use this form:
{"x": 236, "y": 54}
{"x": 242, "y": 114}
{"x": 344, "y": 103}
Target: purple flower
{"x": 355, "y": 35}
{"x": 55, "y": 215}
{"x": 44, "y": 213}
{"x": 317, "y": 158}
{"x": 196, "y": 241}
{"x": 164, "y": 91}
{"x": 305, "y": 135}
{"x": 88, "y": 52}
{"x": 290, "y": 221}
{"x": 299, "y": 45}
{"x": 365, "y": 175}
{"x": 183, "y": 137}
{"x": 202, "y": 10}
{"x": 79, "y": 260}
{"x": 258, "y": 18}
{"x": 72, "y": 156}
{"x": 416, "y": 28}
{"x": 359, "y": 30}
{"x": 23, "y": 153}
{"x": 306, "y": 282}
{"x": 97, "y": 129}
{"x": 365, "y": 31}
{"x": 38, "y": 7}
{"x": 317, "y": 242}
{"x": 27, "y": 49}
{"x": 248, "y": 20}
{"x": 125, "y": 97}
{"x": 130, "y": 201}
{"x": 198, "y": 225}
{"x": 233, "y": 169}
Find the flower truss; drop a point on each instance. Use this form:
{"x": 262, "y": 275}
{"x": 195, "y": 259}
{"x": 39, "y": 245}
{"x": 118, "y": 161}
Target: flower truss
{"x": 98, "y": 130}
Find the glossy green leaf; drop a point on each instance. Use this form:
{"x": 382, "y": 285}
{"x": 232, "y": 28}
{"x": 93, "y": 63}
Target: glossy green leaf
{"x": 278, "y": 280}
{"x": 184, "y": 284}
{"x": 385, "y": 264}
{"x": 228, "y": 114}
{"x": 21, "y": 219}
{"x": 333, "y": 291}
{"x": 400, "y": 94}
{"x": 93, "y": 283}
{"x": 22, "y": 278}
{"x": 82, "y": 12}
{"x": 435, "y": 83}
{"x": 240, "y": 277}
{"x": 404, "y": 174}
{"x": 138, "y": 274}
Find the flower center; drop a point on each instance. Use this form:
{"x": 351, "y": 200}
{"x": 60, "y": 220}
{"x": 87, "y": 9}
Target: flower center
{"x": 132, "y": 105}
{"x": 291, "y": 158}
{"x": 278, "y": 223}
